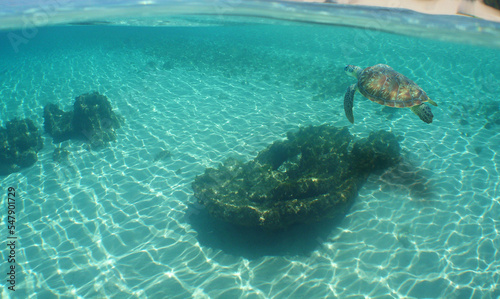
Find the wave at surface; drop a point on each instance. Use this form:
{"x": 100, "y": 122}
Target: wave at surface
{"x": 22, "y": 15}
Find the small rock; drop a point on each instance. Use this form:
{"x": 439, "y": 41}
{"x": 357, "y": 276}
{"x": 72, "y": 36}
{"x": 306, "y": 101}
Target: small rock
{"x": 20, "y": 142}
{"x": 162, "y": 155}
{"x": 60, "y": 155}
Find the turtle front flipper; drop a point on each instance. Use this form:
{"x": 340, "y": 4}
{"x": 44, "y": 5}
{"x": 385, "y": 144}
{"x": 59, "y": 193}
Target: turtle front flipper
{"x": 424, "y": 112}
{"x": 348, "y": 102}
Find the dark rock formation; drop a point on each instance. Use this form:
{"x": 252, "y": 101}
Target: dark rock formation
{"x": 60, "y": 155}
{"x": 58, "y": 124}
{"x": 20, "y": 142}
{"x": 378, "y": 151}
{"x": 92, "y": 120}
{"x": 310, "y": 176}
{"x": 162, "y": 155}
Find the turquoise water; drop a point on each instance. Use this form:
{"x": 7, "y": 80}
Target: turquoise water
{"x": 116, "y": 223}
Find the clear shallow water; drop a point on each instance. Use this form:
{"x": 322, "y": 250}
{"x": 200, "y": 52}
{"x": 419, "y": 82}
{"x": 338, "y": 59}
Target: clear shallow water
{"x": 112, "y": 222}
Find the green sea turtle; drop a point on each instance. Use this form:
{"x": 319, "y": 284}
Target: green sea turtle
{"x": 381, "y": 84}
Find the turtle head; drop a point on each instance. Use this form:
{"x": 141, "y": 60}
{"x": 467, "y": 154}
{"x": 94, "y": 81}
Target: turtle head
{"x": 352, "y": 70}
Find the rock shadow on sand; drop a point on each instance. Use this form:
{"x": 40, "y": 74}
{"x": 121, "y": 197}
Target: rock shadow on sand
{"x": 406, "y": 176}
{"x": 255, "y": 242}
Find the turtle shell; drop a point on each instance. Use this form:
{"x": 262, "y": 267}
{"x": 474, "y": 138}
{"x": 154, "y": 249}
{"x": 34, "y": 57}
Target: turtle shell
{"x": 383, "y": 85}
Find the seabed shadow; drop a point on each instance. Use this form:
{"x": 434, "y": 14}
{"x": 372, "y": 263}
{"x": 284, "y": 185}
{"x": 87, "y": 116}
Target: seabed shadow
{"x": 252, "y": 243}
{"x": 411, "y": 178}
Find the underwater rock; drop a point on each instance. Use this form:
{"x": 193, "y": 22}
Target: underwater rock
{"x": 20, "y": 142}
{"x": 378, "y": 151}
{"x": 162, "y": 155}
{"x": 310, "y": 176}
{"x": 60, "y": 154}
{"x": 92, "y": 120}
{"x": 494, "y": 118}
{"x": 58, "y": 124}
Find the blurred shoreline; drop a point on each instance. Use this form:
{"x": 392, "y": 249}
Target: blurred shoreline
{"x": 476, "y": 8}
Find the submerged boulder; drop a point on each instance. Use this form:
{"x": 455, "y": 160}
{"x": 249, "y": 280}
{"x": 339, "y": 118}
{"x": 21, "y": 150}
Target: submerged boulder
{"x": 20, "y": 142}
{"x": 58, "y": 124}
{"x": 310, "y": 176}
{"x": 60, "y": 155}
{"x": 92, "y": 120}
{"x": 378, "y": 151}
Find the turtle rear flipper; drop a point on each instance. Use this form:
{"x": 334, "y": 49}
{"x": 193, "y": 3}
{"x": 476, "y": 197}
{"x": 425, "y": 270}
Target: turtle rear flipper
{"x": 348, "y": 102}
{"x": 432, "y": 102}
{"x": 424, "y": 112}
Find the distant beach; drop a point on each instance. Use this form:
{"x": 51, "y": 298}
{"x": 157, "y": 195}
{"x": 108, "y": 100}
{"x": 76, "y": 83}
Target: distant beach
{"x": 476, "y": 8}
